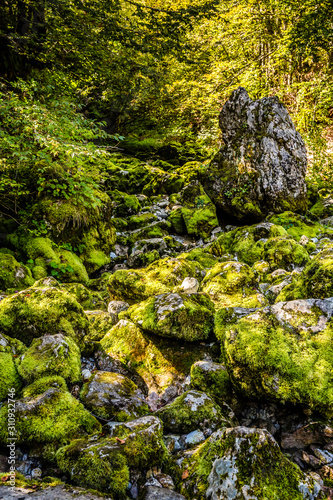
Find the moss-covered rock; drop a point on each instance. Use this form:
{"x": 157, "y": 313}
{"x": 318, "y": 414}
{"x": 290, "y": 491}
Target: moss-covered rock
{"x": 35, "y": 312}
{"x": 85, "y": 297}
{"x": 141, "y": 220}
{"x": 105, "y": 463}
{"x": 316, "y": 280}
{"x": 9, "y": 378}
{"x": 160, "y": 362}
{"x": 197, "y": 211}
{"x": 124, "y": 204}
{"x": 205, "y": 258}
{"x": 282, "y": 352}
{"x": 51, "y": 355}
{"x": 190, "y": 411}
{"x": 265, "y": 241}
{"x": 159, "y": 277}
{"x": 262, "y": 163}
{"x": 13, "y": 274}
{"x": 296, "y": 225}
{"x": 242, "y": 463}
{"x": 233, "y": 284}
{"x": 212, "y": 378}
{"x": 100, "y": 322}
{"x": 42, "y": 384}
{"x": 163, "y": 183}
{"x": 59, "y": 262}
{"x": 113, "y": 396}
{"x": 175, "y": 315}
{"x": 52, "y": 417}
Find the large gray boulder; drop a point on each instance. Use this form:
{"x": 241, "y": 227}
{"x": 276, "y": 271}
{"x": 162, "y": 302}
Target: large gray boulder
{"x": 262, "y": 163}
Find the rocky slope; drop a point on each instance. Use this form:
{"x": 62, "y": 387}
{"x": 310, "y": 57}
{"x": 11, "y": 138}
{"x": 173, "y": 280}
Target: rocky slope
{"x": 195, "y": 362}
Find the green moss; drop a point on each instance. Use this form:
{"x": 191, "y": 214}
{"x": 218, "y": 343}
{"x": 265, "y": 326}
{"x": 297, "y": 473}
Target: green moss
{"x": 181, "y": 316}
{"x": 9, "y": 378}
{"x": 296, "y": 225}
{"x": 13, "y": 275}
{"x": 159, "y": 277}
{"x": 37, "y": 311}
{"x": 190, "y": 411}
{"x": 138, "y": 221}
{"x": 155, "y": 359}
{"x": 261, "y": 242}
{"x": 316, "y": 280}
{"x": 200, "y": 255}
{"x": 41, "y": 385}
{"x": 177, "y": 221}
{"x": 52, "y": 417}
{"x": 51, "y": 355}
{"x": 124, "y": 204}
{"x": 212, "y": 378}
{"x": 280, "y": 353}
{"x": 105, "y": 463}
{"x": 246, "y": 461}
{"x": 163, "y": 183}
{"x": 232, "y": 284}
{"x": 113, "y": 397}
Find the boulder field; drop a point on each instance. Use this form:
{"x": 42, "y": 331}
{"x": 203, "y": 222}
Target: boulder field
{"x": 190, "y": 354}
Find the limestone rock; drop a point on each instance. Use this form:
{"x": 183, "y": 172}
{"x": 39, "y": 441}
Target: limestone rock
{"x": 241, "y": 463}
{"x": 175, "y": 315}
{"x": 190, "y": 285}
{"x": 262, "y": 164}
{"x": 52, "y": 417}
{"x": 51, "y": 355}
{"x": 104, "y": 463}
{"x": 191, "y": 411}
{"x": 113, "y": 396}
{"x": 281, "y": 352}
{"x": 156, "y": 493}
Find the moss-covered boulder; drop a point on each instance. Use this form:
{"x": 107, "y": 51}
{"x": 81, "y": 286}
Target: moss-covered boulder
{"x": 51, "y": 355}
{"x": 9, "y": 377}
{"x": 316, "y": 280}
{"x": 262, "y": 164}
{"x": 201, "y": 255}
{"x": 13, "y": 274}
{"x": 105, "y": 463}
{"x": 265, "y": 241}
{"x": 113, "y": 396}
{"x": 88, "y": 299}
{"x": 53, "y": 417}
{"x": 233, "y": 284}
{"x": 196, "y": 209}
{"x": 59, "y": 262}
{"x": 175, "y": 315}
{"x": 100, "y": 322}
{"x": 159, "y": 277}
{"x": 42, "y": 384}
{"x": 212, "y": 378}
{"x": 190, "y": 411}
{"x": 124, "y": 204}
{"x": 87, "y": 229}
{"x": 159, "y": 361}
{"x": 242, "y": 463}
{"x": 35, "y": 312}
{"x": 282, "y": 352}
{"x": 296, "y": 225}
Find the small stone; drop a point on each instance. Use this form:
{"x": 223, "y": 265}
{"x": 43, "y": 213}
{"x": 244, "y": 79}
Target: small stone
{"x": 115, "y": 307}
{"x": 36, "y": 473}
{"x": 190, "y": 285}
{"x": 86, "y": 374}
{"x": 194, "y": 438}
{"x": 304, "y": 240}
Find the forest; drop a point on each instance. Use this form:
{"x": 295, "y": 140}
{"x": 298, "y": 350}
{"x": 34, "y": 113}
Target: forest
{"x": 166, "y": 249}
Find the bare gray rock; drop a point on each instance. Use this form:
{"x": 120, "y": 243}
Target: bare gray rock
{"x": 261, "y": 166}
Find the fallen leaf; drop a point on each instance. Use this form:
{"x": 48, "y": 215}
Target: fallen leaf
{"x": 185, "y": 474}
{"x": 121, "y": 441}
